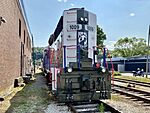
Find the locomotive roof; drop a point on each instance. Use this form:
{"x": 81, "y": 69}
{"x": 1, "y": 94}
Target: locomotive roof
{"x": 76, "y": 8}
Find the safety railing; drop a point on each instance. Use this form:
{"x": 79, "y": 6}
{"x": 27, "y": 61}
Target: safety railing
{"x": 105, "y": 63}
{"x": 64, "y": 58}
{"x": 104, "y": 51}
{"x": 78, "y": 55}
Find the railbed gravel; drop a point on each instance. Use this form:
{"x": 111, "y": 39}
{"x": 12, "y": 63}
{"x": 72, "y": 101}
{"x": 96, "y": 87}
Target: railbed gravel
{"x": 126, "y": 105}
{"x": 56, "y": 108}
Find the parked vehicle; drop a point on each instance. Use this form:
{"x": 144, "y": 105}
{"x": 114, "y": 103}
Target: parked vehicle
{"x": 138, "y": 72}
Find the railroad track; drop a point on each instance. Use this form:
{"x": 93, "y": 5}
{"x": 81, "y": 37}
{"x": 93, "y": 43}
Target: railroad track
{"x": 132, "y": 82}
{"x": 92, "y": 107}
{"x": 132, "y": 92}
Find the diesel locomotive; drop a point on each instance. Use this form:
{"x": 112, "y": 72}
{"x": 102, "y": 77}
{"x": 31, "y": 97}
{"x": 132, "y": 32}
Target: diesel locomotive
{"x": 70, "y": 61}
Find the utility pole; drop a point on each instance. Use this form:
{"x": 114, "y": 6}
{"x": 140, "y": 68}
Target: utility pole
{"x": 33, "y": 54}
{"x": 147, "y": 61}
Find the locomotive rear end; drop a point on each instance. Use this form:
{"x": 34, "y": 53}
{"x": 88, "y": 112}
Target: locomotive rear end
{"x": 75, "y": 76}
{"x": 83, "y": 85}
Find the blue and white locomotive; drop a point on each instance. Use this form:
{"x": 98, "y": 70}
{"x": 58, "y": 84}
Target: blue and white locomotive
{"x": 73, "y": 73}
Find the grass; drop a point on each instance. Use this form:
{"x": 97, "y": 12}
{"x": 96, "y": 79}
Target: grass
{"x": 140, "y": 79}
{"x": 101, "y": 108}
{"x": 33, "y": 98}
{"x": 115, "y": 97}
{"x": 116, "y": 73}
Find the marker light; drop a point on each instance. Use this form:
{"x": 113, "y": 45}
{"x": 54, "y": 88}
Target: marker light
{"x": 97, "y": 65}
{"x": 69, "y": 70}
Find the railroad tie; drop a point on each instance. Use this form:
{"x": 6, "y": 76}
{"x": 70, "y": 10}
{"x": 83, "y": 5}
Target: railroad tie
{"x": 130, "y": 85}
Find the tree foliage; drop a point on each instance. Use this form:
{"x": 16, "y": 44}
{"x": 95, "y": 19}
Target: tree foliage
{"x": 38, "y": 51}
{"x": 127, "y": 47}
{"x": 101, "y": 36}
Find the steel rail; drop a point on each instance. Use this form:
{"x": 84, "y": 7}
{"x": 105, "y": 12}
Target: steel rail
{"x": 133, "y": 89}
{"x": 91, "y": 107}
{"x": 119, "y": 89}
{"x": 133, "y": 82}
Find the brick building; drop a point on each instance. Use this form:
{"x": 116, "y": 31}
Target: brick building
{"x": 15, "y": 44}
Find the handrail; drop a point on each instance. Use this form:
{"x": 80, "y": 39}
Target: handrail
{"x": 78, "y": 56}
{"x": 93, "y": 57}
{"x": 105, "y": 64}
{"x": 64, "y": 58}
{"x": 104, "y": 57}
{"x": 104, "y": 49}
{"x": 51, "y": 56}
{"x": 112, "y": 67}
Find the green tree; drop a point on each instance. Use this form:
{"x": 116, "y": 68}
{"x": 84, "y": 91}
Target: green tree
{"x": 127, "y": 47}
{"x": 38, "y": 52}
{"x": 101, "y": 36}
{"x": 38, "y": 49}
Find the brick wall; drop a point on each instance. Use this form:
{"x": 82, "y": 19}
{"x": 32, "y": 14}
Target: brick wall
{"x": 10, "y": 44}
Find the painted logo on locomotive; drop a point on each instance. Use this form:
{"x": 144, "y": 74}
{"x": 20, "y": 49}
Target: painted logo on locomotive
{"x": 82, "y": 39}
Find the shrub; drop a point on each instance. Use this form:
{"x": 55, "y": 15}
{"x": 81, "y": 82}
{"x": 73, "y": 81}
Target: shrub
{"x": 101, "y": 108}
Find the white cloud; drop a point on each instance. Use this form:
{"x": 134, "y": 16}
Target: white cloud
{"x": 72, "y": 4}
{"x": 132, "y": 14}
{"x": 59, "y": 0}
{"x": 62, "y": 1}
{"x": 65, "y": 0}
{"x": 109, "y": 44}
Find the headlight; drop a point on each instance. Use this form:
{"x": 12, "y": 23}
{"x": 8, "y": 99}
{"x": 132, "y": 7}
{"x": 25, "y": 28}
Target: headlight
{"x": 81, "y": 19}
{"x": 69, "y": 70}
{"x": 86, "y": 19}
{"x": 103, "y": 70}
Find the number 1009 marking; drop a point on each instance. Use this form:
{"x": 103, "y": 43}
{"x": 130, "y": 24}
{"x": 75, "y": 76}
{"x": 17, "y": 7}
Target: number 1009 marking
{"x": 74, "y": 27}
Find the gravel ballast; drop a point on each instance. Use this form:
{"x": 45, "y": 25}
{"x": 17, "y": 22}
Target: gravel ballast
{"x": 56, "y": 108}
{"x": 128, "y": 105}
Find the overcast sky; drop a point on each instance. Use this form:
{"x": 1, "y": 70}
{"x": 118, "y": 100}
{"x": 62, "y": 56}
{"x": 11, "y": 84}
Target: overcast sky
{"x": 118, "y": 18}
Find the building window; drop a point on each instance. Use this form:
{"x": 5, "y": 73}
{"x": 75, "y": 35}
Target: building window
{"x": 19, "y": 28}
{"x": 30, "y": 45}
{"x": 24, "y": 36}
{"x": 27, "y": 42}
